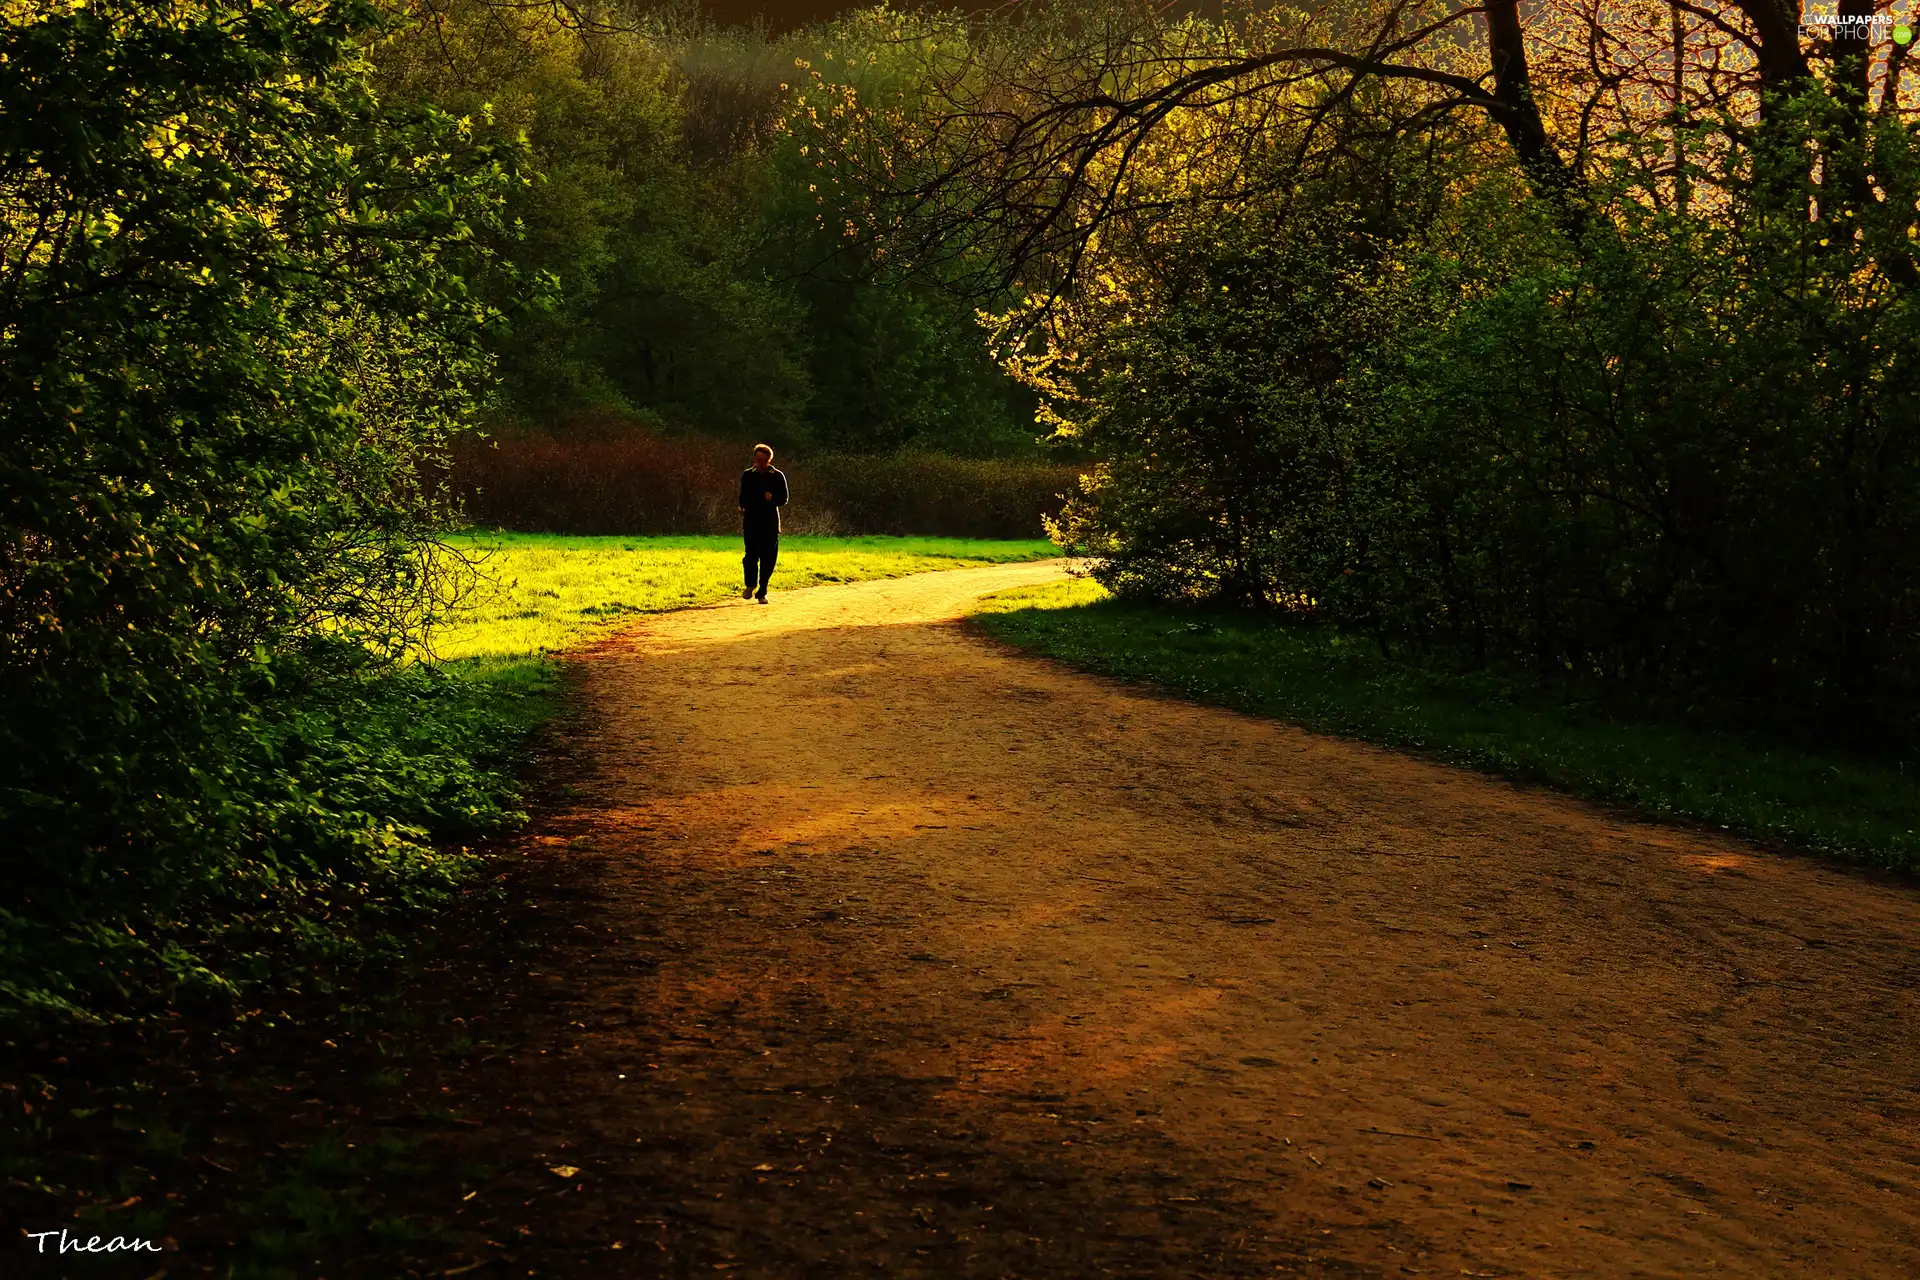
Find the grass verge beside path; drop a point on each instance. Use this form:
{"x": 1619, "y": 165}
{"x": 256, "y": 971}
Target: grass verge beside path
{"x": 541, "y": 593}
{"x": 1862, "y": 811}
{"x": 538, "y": 594}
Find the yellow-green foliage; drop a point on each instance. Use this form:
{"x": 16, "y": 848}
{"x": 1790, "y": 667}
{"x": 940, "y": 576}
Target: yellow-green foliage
{"x": 541, "y": 593}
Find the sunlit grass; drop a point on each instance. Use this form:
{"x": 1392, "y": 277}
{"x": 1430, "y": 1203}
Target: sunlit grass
{"x": 1862, "y": 810}
{"x": 542, "y": 593}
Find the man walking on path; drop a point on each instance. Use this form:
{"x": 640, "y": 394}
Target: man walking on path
{"x": 763, "y": 491}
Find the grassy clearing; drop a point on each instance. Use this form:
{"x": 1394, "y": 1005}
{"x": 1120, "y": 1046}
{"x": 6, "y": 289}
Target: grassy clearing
{"x": 542, "y": 593}
{"x": 539, "y": 594}
{"x": 1863, "y": 811}
{"x": 462, "y": 717}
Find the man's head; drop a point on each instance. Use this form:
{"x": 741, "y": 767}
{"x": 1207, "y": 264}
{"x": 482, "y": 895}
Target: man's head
{"x": 762, "y": 456}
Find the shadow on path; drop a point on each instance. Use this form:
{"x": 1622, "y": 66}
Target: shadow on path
{"x": 867, "y": 947}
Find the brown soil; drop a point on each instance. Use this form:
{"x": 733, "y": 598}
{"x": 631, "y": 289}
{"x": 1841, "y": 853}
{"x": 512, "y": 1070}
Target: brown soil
{"x": 876, "y": 949}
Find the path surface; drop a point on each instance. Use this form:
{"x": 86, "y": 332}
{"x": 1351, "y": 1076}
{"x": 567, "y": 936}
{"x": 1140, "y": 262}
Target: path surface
{"x": 908, "y": 955}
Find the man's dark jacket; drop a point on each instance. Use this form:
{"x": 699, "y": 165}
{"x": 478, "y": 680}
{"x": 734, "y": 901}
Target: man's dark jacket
{"x": 762, "y": 515}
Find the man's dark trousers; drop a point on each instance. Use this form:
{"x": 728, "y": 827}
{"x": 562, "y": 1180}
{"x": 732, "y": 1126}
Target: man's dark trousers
{"x": 763, "y": 548}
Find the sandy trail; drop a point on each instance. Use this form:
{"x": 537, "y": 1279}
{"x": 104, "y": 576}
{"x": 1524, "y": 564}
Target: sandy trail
{"x": 907, "y": 955}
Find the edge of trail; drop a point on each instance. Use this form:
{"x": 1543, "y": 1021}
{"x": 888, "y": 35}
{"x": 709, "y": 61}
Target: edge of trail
{"x": 870, "y": 946}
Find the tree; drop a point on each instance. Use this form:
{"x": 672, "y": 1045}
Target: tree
{"x": 1041, "y": 150}
{"x": 234, "y": 329}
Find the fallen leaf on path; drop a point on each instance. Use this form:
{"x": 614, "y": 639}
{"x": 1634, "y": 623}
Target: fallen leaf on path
{"x": 563, "y": 1171}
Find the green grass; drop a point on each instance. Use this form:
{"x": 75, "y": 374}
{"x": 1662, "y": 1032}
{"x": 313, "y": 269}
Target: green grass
{"x": 536, "y": 595}
{"x": 494, "y": 678}
{"x": 1860, "y": 810}
{"x": 539, "y": 594}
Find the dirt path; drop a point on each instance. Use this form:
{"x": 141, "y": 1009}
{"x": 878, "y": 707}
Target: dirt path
{"x": 906, "y": 955}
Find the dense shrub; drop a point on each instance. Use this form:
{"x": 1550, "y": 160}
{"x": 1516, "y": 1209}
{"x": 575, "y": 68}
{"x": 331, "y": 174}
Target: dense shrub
{"x": 596, "y": 478}
{"x": 235, "y": 338}
{"x": 1670, "y": 453}
{"x": 602, "y": 477}
{"x": 910, "y": 493}
{"x": 1687, "y": 461}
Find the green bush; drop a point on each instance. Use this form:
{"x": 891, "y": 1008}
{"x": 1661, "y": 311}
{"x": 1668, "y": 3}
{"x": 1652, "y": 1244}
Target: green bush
{"x": 1673, "y": 455}
{"x": 236, "y": 338}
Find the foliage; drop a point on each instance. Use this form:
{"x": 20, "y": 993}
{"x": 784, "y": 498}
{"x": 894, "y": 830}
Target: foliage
{"x": 235, "y": 335}
{"x": 1571, "y": 342}
{"x": 897, "y": 360}
{"x": 1672, "y": 455}
{"x": 1684, "y": 461}
{"x": 1834, "y": 802}
{"x": 704, "y": 279}
{"x": 1235, "y": 418}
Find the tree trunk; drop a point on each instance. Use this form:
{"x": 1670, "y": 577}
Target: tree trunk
{"x": 1519, "y": 115}
{"x": 1783, "y": 67}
